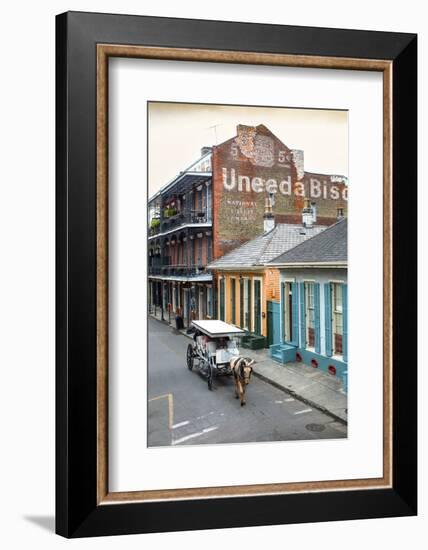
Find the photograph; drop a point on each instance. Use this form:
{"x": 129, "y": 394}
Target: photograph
{"x": 247, "y": 266}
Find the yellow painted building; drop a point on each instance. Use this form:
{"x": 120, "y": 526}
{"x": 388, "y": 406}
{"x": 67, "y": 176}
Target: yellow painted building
{"x": 243, "y": 297}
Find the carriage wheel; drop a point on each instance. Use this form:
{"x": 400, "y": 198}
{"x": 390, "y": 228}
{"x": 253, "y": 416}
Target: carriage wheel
{"x": 189, "y": 357}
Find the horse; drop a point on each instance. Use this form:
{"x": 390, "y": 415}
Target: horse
{"x": 242, "y": 370}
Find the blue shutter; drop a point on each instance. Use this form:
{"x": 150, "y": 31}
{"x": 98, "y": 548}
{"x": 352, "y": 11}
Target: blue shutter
{"x": 302, "y": 316}
{"x": 294, "y": 314}
{"x": 317, "y": 318}
{"x": 328, "y": 320}
{"x": 345, "y": 321}
{"x": 282, "y": 339}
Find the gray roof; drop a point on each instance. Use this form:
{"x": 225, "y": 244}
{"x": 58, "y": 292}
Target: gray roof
{"x": 330, "y": 246}
{"x": 262, "y": 249}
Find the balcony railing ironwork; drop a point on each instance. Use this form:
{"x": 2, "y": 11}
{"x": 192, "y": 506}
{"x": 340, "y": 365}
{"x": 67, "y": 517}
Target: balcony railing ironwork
{"x": 177, "y": 270}
{"x": 183, "y": 218}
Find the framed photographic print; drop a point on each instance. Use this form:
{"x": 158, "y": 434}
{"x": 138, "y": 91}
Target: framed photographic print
{"x": 236, "y": 274}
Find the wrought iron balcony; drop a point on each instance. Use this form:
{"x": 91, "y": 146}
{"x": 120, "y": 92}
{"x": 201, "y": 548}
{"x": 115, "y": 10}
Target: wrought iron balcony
{"x": 177, "y": 270}
{"x": 155, "y": 270}
{"x": 183, "y": 218}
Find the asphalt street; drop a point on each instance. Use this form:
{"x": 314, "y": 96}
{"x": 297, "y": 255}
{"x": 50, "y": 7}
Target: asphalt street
{"x": 182, "y": 411}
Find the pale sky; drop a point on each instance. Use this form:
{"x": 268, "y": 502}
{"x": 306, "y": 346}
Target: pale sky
{"x": 178, "y": 131}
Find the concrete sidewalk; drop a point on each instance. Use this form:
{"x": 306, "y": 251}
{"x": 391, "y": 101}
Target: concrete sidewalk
{"x": 317, "y": 389}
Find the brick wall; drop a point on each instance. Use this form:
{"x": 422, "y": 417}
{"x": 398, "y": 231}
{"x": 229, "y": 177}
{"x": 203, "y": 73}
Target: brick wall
{"x": 252, "y": 165}
{"x": 272, "y": 288}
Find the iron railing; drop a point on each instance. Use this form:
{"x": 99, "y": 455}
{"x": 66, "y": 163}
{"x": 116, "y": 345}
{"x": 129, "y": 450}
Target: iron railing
{"x": 183, "y": 218}
{"x": 177, "y": 270}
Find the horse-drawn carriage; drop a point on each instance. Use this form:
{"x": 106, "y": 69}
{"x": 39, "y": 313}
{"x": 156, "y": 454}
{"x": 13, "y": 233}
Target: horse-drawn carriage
{"x": 215, "y": 343}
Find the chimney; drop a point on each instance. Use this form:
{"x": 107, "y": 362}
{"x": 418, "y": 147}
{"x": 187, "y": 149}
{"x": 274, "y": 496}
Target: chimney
{"x": 268, "y": 217}
{"x": 205, "y": 150}
{"x": 307, "y": 216}
{"x": 340, "y": 215}
{"x": 314, "y": 212}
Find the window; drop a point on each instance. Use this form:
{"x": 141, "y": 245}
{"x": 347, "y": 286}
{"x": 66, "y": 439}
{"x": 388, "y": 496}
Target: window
{"x": 337, "y": 311}
{"x": 221, "y": 304}
{"x": 209, "y": 301}
{"x": 208, "y": 208}
{"x": 199, "y": 251}
{"x": 310, "y": 315}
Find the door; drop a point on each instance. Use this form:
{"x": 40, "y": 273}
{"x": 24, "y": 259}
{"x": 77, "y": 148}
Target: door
{"x": 273, "y": 324}
{"x": 257, "y": 307}
{"x": 186, "y": 312}
{"x": 221, "y": 305}
{"x": 289, "y": 312}
{"x": 233, "y": 301}
{"x": 201, "y": 303}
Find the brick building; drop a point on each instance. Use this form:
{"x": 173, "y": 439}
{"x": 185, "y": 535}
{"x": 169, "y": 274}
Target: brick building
{"x": 255, "y": 164}
{"x": 180, "y": 244}
{"x": 217, "y": 204}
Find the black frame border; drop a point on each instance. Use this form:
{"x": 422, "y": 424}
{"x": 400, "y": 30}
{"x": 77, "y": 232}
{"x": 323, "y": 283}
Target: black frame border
{"x": 77, "y": 512}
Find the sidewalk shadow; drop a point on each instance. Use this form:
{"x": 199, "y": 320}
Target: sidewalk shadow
{"x": 45, "y": 522}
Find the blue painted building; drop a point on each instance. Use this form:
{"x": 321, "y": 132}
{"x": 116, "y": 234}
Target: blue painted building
{"x": 314, "y": 302}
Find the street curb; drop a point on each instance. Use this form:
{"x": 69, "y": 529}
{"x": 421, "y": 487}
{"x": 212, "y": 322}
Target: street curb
{"x": 292, "y": 393}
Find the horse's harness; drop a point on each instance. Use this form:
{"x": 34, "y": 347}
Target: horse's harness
{"x": 240, "y": 363}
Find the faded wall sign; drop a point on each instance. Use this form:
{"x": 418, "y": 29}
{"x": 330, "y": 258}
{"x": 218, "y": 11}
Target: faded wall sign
{"x": 256, "y": 163}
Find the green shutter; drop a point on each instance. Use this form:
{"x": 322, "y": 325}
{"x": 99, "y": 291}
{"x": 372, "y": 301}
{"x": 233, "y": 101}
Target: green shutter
{"x": 249, "y": 304}
{"x": 294, "y": 314}
{"x": 233, "y": 298}
{"x": 328, "y": 319}
{"x": 302, "y": 316}
{"x": 345, "y": 321}
{"x": 257, "y": 308}
{"x": 317, "y": 318}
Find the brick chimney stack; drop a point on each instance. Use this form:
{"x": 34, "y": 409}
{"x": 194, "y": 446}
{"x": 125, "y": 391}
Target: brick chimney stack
{"x": 307, "y": 214}
{"x": 268, "y": 217}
